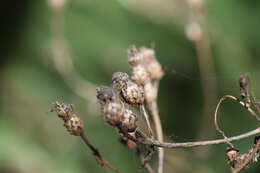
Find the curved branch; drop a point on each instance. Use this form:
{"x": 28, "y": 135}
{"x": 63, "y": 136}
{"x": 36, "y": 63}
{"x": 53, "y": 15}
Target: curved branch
{"x": 147, "y": 141}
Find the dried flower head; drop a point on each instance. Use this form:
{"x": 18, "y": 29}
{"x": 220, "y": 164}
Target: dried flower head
{"x": 130, "y": 91}
{"x": 74, "y": 126}
{"x": 244, "y": 82}
{"x": 113, "y": 112}
{"x": 232, "y": 157}
{"x": 106, "y": 94}
{"x": 140, "y": 75}
{"x": 120, "y": 80}
{"x": 71, "y": 121}
{"x": 151, "y": 64}
{"x": 133, "y": 94}
{"x": 129, "y": 120}
{"x": 134, "y": 57}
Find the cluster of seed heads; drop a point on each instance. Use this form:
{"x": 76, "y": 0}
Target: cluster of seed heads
{"x": 134, "y": 90}
{"x": 114, "y": 111}
{"x": 71, "y": 121}
{"x": 145, "y": 70}
{"x": 131, "y": 93}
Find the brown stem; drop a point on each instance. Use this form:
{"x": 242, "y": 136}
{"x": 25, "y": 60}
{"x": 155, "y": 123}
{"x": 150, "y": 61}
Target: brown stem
{"x": 147, "y": 141}
{"x": 248, "y": 159}
{"x": 97, "y": 154}
{"x": 144, "y": 162}
{"x": 153, "y": 107}
{"x": 146, "y": 117}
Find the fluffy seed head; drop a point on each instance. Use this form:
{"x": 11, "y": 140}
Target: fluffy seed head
{"x": 120, "y": 79}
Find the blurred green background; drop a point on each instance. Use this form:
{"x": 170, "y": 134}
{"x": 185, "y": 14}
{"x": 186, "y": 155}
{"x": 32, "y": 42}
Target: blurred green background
{"x": 96, "y": 34}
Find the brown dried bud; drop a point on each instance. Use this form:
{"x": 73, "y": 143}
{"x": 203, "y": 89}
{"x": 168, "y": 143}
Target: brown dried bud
{"x": 232, "y": 156}
{"x": 129, "y": 120}
{"x": 106, "y": 94}
{"x": 71, "y": 121}
{"x": 140, "y": 75}
{"x": 151, "y": 64}
{"x": 119, "y": 80}
{"x": 134, "y": 57}
{"x": 113, "y": 112}
{"x": 133, "y": 94}
{"x": 74, "y": 126}
{"x": 244, "y": 82}
{"x": 64, "y": 111}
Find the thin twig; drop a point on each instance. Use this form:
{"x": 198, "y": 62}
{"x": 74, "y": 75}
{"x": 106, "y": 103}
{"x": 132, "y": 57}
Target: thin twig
{"x": 97, "y": 154}
{"x": 216, "y": 121}
{"x": 245, "y": 105}
{"x": 144, "y": 162}
{"x": 248, "y": 159}
{"x": 148, "y": 141}
{"x": 153, "y": 107}
{"x": 146, "y": 117}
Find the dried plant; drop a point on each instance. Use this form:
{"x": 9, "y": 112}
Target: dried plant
{"x": 119, "y": 100}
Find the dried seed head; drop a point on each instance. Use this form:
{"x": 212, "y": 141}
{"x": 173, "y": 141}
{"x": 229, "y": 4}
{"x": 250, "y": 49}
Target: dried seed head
{"x": 64, "y": 111}
{"x": 134, "y": 57}
{"x": 152, "y": 66}
{"x": 71, "y": 121}
{"x": 129, "y": 120}
{"x": 244, "y": 82}
{"x": 74, "y": 126}
{"x": 113, "y": 113}
{"x": 232, "y": 156}
{"x": 133, "y": 94}
{"x": 150, "y": 93}
{"x": 256, "y": 139}
{"x": 140, "y": 75}
{"x": 119, "y": 80}
{"x": 106, "y": 94}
